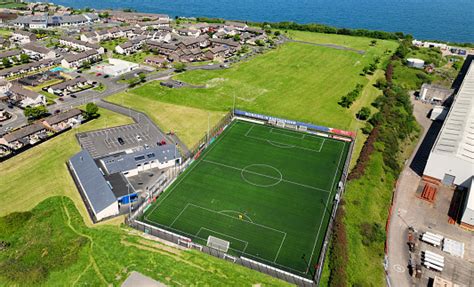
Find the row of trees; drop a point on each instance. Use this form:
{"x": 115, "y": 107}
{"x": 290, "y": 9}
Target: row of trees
{"x": 24, "y": 59}
{"x": 347, "y": 100}
{"x": 35, "y": 113}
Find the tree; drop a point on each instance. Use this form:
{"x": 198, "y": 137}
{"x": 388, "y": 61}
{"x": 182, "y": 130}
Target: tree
{"x": 373, "y": 42}
{"x": 277, "y": 33}
{"x": 24, "y": 58}
{"x": 260, "y": 43}
{"x": 91, "y": 110}
{"x": 363, "y": 113}
{"x": 179, "y": 67}
{"x": 6, "y": 63}
{"x": 35, "y": 112}
{"x": 237, "y": 37}
{"x": 142, "y": 77}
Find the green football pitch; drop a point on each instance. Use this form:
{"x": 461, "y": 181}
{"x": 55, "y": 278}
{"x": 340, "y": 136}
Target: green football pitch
{"x": 268, "y": 191}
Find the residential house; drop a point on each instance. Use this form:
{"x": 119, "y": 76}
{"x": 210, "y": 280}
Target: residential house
{"x": 189, "y": 32}
{"x": 80, "y": 45}
{"x": 47, "y": 21}
{"x": 22, "y": 37}
{"x": 69, "y": 86}
{"x": 64, "y": 120}
{"x": 231, "y": 44}
{"x": 74, "y": 61}
{"x": 161, "y": 48}
{"x": 27, "y": 135}
{"x": 218, "y": 53}
{"x": 3, "y": 43}
{"x": 11, "y": 55}
{"x": 158, "y": 61}
{"x": 130, "y": 17}
{"x": 236, "y": 25}
{"x": 131, "y": 46}
{"x": 152, "y": 24}
{"x": 25, "y": 97}
{"x": 27, "y": 68}
{"x": 37, "y": 52}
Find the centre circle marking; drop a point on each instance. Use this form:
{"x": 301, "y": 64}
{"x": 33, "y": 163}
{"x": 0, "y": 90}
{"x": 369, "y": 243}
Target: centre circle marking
{"x": 245, "y": 170}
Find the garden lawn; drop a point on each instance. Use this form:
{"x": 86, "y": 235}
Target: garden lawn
{"x": 41, "y": 172}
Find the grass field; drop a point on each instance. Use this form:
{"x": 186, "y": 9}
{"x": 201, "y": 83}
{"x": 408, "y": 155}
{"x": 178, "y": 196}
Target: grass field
{"x": 282, "y": 184}
{"x": 298, "y": 81}
{"x": 190, "y": 124}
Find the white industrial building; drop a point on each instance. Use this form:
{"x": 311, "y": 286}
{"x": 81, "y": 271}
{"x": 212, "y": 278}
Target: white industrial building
{"x": 451, "y": 159}
{"x": 115, "y": 67}
{"x": 467, "y": 219}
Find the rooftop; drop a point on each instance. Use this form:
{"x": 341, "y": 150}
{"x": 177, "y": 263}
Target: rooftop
{"x": 92, "y": 182}
{"x": 457, "y": 134}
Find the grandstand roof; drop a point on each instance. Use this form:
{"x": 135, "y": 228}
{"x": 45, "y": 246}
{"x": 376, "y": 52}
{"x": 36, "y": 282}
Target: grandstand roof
{"x": 457, "y": 134}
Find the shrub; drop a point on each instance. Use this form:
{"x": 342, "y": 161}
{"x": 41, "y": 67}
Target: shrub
{"x": 363, "y": 113}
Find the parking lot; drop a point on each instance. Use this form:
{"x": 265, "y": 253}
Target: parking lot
{"x": 104, "y": 142}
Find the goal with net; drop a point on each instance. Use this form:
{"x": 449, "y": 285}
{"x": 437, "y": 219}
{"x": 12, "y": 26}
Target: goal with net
{"x": 217, "y": 243}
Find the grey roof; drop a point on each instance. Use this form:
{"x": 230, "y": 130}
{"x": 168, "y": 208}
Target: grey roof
{"x": 19, "y": 90}
{"x": 76, "y": 57}
{"x": 10, "y": 53}
{"x": 23, "y": 132}
{"x": 81, "y": 43}
{"x": 457, "y": 134}
{"x": 227, "y": 42}
{"x": 36, "y": 48}
{"x": 92, "y": 182}
{"x": 56, "y": 19}
{"x": 68, "y": 83}
{"x": 26, "y": 67}
{"x": 51, "y": 120}
{"x": 127, "y": 161}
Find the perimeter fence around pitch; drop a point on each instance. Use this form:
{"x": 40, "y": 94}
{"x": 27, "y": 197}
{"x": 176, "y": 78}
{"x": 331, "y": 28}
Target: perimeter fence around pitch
{"x": 209, "y": 138}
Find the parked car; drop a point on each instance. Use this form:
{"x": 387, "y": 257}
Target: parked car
{"x": 139, "y": 138}
{"x": 120, "y": 141}
{"x": 73, "y": 96}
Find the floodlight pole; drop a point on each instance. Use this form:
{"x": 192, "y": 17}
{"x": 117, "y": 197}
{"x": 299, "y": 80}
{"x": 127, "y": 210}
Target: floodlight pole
{"x": 208, "y": 125}
{"x": 129, "y": 202}
{"x": 233, "y": 107}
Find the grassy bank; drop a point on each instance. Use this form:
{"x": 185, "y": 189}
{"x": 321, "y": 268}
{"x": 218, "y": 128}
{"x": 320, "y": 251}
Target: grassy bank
{"x": 50, "y": 245}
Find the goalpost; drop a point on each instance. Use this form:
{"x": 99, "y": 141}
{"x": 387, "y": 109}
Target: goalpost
{"x": 217, "y": 243}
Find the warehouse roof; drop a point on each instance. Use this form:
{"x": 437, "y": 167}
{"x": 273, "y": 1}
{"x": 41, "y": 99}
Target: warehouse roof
{"x": 91, "y": 181}
{"x": 457, "y": 134}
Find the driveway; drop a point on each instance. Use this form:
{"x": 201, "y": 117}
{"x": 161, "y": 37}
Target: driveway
{"x": 408, "y": 210}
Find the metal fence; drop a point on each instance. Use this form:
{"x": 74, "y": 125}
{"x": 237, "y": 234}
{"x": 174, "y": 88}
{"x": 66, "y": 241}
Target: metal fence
{"x": 327, "y": 238}
{"x": 135, "y": 222}
{"x": 249, "y": 263}
{"x": 212, "y": 133}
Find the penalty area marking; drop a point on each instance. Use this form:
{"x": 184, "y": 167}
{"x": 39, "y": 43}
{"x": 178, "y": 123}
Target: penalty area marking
{"x": 237, "y": 212}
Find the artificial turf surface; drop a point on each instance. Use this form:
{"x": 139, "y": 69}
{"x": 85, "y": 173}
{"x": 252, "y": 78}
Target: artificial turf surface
{"x": 268, "y": 191}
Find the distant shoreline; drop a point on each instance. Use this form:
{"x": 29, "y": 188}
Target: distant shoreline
{"x": 436, "y": 19}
